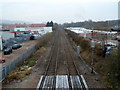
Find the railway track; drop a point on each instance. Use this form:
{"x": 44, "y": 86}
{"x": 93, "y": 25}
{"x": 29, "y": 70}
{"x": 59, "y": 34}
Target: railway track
{"x": 72, "y": 69}
{"x": 72, "y": 63}
{"x": 61, "y": 67}
{"x": 51, "y": 67}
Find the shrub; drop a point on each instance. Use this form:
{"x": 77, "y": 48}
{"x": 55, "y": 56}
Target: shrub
{"x": 113, "y": 69}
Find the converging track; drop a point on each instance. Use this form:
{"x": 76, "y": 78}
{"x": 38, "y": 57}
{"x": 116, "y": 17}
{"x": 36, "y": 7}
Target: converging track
{"x": 62, "y": 67}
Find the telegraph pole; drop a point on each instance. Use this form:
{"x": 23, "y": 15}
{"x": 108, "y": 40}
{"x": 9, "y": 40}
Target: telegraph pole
{"x": 1, "y": 47}
{"x": 92, "y": 46}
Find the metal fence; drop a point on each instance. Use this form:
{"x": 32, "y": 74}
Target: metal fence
{"x": 4, "y": 71}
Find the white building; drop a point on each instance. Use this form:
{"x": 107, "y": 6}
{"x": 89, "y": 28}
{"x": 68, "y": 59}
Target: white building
{"x": 47, "y": 29}
{"x": 40, "y": 30}
{"x": 19, "y": 29}
{"x": 5, "y": 36}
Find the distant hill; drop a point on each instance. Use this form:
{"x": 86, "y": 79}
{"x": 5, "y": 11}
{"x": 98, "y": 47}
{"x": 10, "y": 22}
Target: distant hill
{"x": 98, "y": 25}
{"x": 8, "y": 22}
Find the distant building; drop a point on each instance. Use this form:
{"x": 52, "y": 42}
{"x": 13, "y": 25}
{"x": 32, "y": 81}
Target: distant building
{"x": 37, "y": 25}
{"x": 40, "y": 30}
{"x": 19, "y": 29}
{"x": 12, "y": 27}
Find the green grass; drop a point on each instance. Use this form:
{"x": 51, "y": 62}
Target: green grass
{"x": 31, "y": 62}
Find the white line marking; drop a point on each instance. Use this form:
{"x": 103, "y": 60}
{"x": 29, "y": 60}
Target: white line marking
{"x": 38, "y": 86}
{"x": 86, "y": 86}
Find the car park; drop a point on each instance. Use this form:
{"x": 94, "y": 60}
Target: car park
{"x": 7, "y": 51}
{"x": 16, "y": 46}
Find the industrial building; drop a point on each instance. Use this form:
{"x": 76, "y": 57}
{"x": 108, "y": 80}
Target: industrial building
{"x": 11, "y": 31}
{"x": 5, "y": 36}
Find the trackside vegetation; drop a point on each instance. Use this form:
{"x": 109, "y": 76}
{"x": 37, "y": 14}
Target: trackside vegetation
{"x": 108, "y": 67}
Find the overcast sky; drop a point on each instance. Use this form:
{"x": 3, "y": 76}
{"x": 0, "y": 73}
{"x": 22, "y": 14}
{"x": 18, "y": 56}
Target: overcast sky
{"x": 59, "y": 11}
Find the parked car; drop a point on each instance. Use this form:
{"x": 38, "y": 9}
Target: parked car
{"x": 115, "y": 28}
{"x": 4, "y": 47}
{"x": 2, "y": 60}
{"x": 109, "y": 49}
{"x": 32, "y": 37}
{"x": 35, "y": 36}
{"x": 16, "y": 46}
{"x": 8, "y": 50}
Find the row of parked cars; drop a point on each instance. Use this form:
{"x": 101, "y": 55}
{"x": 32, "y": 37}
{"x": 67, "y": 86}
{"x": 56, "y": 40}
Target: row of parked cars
{"x": 8, "y": 50}
{"x": 14, "y": 43}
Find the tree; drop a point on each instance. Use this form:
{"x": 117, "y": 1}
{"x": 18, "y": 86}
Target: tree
{"x": 49, "y": 24}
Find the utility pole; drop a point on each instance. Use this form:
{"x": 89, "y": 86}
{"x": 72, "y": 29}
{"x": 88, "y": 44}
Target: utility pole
{"x": 1, "y": 47}
{"x": 92, "y": 46}
{"x": 118, "y": 40}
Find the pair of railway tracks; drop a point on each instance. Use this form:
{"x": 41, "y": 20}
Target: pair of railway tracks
{"x": 51, "y": 67}
{"x": 72, "y": 63}
{"x": 73, "y": 74}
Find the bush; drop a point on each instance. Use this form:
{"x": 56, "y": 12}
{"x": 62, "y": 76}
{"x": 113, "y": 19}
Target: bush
{"x": 80, "y": 41}
{"x": 98, "y": 50}
{"x": 113, "y": 69}
{"x": 108, "y": 67}
{"x": 44, "y": 40}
